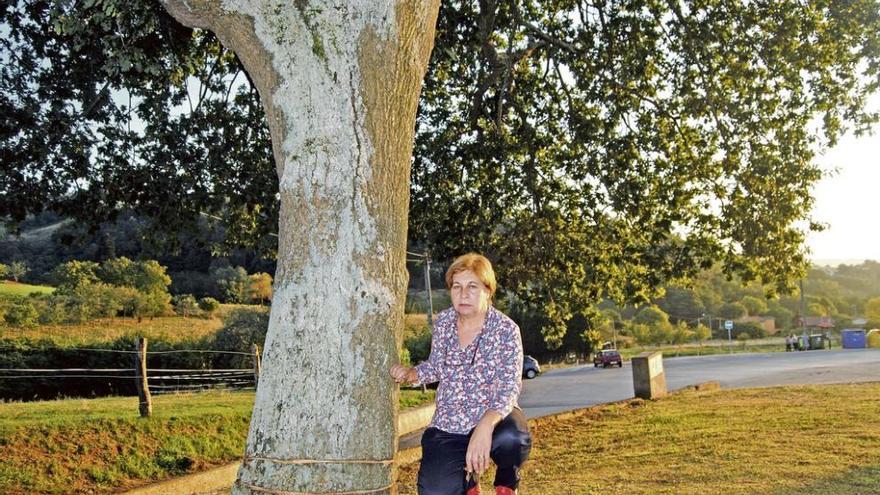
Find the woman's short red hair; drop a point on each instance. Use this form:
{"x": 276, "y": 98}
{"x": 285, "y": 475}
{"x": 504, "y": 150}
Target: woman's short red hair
{"x": 477, "y": 263}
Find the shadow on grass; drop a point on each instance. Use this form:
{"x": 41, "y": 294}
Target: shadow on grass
{"x": 860, "y": 481}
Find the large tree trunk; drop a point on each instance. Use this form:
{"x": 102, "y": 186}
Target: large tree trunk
{"x": 340, "y": 82}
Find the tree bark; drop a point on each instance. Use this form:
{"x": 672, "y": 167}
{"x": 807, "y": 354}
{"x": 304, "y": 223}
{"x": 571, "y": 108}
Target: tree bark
{"x": 339, "y": 80}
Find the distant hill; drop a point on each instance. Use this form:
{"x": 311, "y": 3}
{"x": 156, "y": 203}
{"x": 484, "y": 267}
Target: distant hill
{"x": 43, "y": 234}
{"x": 833, "y": 262}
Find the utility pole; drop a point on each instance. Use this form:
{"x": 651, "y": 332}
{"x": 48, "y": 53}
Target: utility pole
{"x": 425, "y": 259}
{"x": 803, "y": 317}
{"x": 428, "y": 290}
{"x": 614, "y": 331}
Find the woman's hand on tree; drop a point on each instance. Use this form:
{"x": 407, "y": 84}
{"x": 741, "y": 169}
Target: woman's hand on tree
{"x": 404, "y": 374}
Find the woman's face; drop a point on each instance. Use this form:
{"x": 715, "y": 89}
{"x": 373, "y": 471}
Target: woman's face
{"x": 469, "y": 295}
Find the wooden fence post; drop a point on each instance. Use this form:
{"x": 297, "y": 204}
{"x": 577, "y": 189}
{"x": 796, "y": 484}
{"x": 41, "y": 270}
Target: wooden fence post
{"x": 145, "y": 401}
{"x": 256, "y": 350}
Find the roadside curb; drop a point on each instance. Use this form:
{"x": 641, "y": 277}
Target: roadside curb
{"x": 415, "y": 419}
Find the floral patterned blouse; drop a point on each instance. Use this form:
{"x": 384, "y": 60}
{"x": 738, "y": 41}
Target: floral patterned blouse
{"x": 487, "y": 374}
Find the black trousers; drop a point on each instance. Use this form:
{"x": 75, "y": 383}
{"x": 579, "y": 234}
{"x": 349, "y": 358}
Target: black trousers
{"x": 442, "y": 471}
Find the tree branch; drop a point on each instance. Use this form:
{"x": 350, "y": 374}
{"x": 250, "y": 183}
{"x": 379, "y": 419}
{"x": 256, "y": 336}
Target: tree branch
{"x": 550, "y": 39}
{"x": 192, "y": 13}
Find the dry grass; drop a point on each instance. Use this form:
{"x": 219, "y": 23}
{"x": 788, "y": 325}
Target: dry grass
{"x": 415, "y": 324}
{"x": 780, "y": 441}
{"x": 168, "y": 328}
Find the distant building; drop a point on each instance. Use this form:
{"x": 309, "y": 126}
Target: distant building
{"x": 768, "y": 323}
{"x": 816, "y": 322}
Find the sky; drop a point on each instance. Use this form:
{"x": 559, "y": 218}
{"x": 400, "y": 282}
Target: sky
{"x": 848, "y": 203}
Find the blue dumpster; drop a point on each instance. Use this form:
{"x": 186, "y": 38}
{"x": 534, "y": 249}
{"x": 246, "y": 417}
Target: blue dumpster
{"x": 853, "y": 338}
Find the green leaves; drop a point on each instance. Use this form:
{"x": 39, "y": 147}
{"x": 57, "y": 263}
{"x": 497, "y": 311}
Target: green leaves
{"x": 116, "y": 105}
{"x": 592, "y": 149}
{"x": 596, "y": 150}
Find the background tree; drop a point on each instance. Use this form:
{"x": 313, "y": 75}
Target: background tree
{"x": 651, "y": 315}
{"x": 592, "y": 339}
{"x": 71, "y": 276}
{"x": 681, "y": 304}
{"x": 640, "y": 332}
{"x": 754, "y": 306}
{"x": 872, "y": 309}
{"x": 660, "y": 330}
{"x": 732, "y": 310}
{"x": 259, "y": 287}
{"x": 18, "y": 270}
{"x": 4, "y": 270}
{"x": 681, "y": 333}
{"x": 587, "y": 144}
{"x": 702, "y": 333}
{"x": 817, "y": 309}
{"x": 782, "y": 317}
{"x": 232, "y": 284}
{"x": 185, "y": 305}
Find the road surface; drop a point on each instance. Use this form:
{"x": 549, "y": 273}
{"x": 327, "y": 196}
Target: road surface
{"x": 583, "y": 386}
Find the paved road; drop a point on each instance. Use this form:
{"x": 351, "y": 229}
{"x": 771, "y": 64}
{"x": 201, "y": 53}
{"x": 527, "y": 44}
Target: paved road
{"x": 584, "y": 386}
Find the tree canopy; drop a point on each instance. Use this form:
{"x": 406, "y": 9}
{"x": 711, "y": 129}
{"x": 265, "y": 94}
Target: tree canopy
{"x": 592, "y": 149}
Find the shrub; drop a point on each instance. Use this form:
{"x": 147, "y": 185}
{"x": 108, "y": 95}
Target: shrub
{"x": 22, "y": 314}
{"x": 753, "y": 330}
{"x": 94, "y": 301}
{"x": 260, "y": 287}
{"x": 209, "y": 304}
{"x": 242, "y": 328}
{"x": 156, "y": 303}
{"x": 185, "y": 305}
{"x": 232, "y": 284}
{"x": 53, "y": 309}
{"x": 403, "y": 355}
{"x": 131, "y": 301}
{"x": 72, "y": 275}
{"x": 418, "y": 347}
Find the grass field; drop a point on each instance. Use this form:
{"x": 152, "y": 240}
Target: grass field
{"x": 809, "y": 440}
{"x": 101, "y": 445}
{"x": 168, "y": 328}
{"x": 9, "y": 288}
{"x": 775, "y": 441}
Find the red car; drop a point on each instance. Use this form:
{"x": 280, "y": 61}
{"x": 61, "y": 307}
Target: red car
{"x": 608, "y": 357}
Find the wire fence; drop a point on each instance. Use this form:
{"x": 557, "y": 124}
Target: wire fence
{"x": 151, "y": 381}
